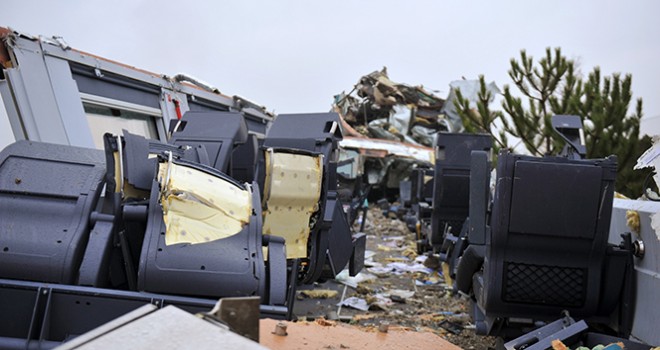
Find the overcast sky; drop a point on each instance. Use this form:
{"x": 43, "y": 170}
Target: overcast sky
{"x": 293, "y": 56}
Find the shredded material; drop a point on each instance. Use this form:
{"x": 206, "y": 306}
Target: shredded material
{"x": 199, "y": 207}
{"x": 292, "y": 192}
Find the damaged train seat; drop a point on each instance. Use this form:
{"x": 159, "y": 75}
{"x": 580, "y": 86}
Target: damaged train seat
{"x": 198, "y": 225}
{"x": 298, "y": 170}
{"x": 544, "y": 250}
{"x": 165, "y": 231}
{"x": 202, "y": 235}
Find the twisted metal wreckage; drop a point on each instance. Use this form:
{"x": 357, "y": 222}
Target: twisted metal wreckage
{"x": 125, "y": 188}
{"x": 391, "y": 129}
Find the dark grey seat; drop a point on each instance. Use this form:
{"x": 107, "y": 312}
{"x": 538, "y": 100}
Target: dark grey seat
{"x": 211, "y": 136}
{"x": 244, "y": 160}
{"x": 546, "y": 248}
{"x": 231, "y": 266}
{"x": 330, "y": 243}
{"x": 451, "y": 190}
{"x": 47, "y": 193}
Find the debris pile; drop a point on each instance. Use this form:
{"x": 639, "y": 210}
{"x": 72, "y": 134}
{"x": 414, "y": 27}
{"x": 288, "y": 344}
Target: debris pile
{"x": 383, "y": 109}
{"x": 390, "y": 127}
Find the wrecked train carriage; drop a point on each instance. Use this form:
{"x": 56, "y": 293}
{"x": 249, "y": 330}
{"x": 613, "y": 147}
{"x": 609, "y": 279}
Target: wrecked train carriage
{"x": 54, "y": 93}
{"x": 301, "y": 195}
{"x": 120, "y": 254}
{"x": 87, "y": 96}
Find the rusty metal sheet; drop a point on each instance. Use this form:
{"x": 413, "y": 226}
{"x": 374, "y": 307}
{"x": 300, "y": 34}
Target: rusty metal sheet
{"x": 5, "y": 60}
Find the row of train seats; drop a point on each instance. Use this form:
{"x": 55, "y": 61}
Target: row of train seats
{"x": 201, "y": 216}
{"x": 534, "y": 245}
{"x": 438, "y": 198}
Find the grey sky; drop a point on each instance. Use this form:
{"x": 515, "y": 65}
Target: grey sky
{"x": 293, "y": 56}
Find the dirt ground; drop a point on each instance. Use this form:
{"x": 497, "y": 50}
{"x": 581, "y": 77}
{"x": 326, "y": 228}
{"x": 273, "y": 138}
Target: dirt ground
{"x": 398, "y": 287}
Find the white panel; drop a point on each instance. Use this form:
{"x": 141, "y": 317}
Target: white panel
{"x": 68, "y": 103}
{"x": 6, "y": 135}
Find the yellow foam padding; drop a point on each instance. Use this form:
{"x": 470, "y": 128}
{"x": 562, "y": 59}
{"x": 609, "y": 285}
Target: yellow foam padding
{"x": 291, "y": 195}
{"x": 446, "y": 274}
{"x": 115, "y": 156}
{"x": 199, "y": 207}
{"x": 129, "y": 190}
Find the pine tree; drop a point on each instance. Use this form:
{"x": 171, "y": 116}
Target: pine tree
{"x": 552, "y": 87}
{"x": 532, "y": 123}
{"x": 610, "y": 130}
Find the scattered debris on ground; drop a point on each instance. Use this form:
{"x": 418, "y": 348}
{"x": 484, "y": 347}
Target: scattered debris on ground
{"x": 397, "y": 287}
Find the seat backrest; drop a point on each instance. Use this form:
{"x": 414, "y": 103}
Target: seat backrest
{"x": 292, "y": 191}
{"x": 203, "y": 235}
{"x": 465, "y": 254}
{"x": 313, "y": 132}
{"x": 451, "y": 182}
{"x": 47, "y": 193}
{"x": 421, "y": 185}
{"x": 244, "y": 160}
{"x": 212, "y": 137}
{"x": 309, "y": 135}
{"x": 548, "y": 240}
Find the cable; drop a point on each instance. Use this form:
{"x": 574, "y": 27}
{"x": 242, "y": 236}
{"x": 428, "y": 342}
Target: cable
{"x": 645, "y": 188}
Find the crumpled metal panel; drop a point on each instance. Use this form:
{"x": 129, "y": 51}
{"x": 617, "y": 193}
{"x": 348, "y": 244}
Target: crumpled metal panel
{"x": 384, "y": 109}
{"x": 383, "y": 148}
{"x": 292, "y": 191}
{"x": 199, "y": 207}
